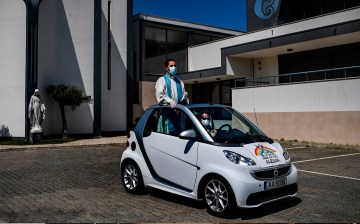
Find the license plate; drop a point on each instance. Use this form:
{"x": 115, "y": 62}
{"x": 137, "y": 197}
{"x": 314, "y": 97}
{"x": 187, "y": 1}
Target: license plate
{"x": 272, "y": 184}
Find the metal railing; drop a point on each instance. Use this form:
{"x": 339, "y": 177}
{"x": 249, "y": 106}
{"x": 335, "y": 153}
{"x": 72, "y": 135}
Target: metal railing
{"x": 308, "y": 76}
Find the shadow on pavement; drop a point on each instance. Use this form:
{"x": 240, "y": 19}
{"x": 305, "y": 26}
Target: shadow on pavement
{"x": 163, "y": 195}
{"x": 243, "y": 214}
{"x": 255, "y": 213}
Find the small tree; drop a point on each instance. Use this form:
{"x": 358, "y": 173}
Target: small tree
{"x": 4, "y": 131}
{"x": 65, "y": 96}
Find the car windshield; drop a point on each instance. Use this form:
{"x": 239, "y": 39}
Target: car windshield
{"x": 226, "y": 125}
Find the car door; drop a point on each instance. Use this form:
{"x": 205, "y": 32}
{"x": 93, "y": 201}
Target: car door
{"x": 173, "y": 160}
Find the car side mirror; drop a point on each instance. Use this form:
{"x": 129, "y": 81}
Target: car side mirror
{"x": 188, "y": 134}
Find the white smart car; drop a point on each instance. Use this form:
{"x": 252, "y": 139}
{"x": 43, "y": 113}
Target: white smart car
{"x": 228, "y": 163}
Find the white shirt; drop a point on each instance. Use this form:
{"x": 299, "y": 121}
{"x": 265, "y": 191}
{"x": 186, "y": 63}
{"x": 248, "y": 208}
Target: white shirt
{"x": 161, "y": 91}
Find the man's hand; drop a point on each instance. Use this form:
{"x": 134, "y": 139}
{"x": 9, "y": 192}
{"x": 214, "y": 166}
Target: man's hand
{"x": 184, "y": 101}
{"x": 172, "y": 104}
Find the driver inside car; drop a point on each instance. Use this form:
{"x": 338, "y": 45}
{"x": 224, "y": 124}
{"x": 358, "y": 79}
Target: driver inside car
{"x": 208, "y": 123}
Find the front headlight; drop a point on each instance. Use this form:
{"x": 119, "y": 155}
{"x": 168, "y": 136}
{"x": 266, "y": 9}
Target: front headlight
{"x": 286, "y": 154}
{"x": 238, "y": 159}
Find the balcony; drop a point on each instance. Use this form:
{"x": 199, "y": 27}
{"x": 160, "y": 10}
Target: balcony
{"x": 300, "y": 77}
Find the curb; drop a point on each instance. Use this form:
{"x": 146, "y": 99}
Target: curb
{"x": 119, "y": 140}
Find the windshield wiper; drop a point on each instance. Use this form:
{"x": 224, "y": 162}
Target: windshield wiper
{"x": 263, "y": 137}
{"x": 241, "y": 139}
{"x": 248, "y": 138}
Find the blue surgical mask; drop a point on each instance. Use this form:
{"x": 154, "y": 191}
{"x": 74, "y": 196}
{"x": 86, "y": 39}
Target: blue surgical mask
{"x": 172, "y": 70}
{"x": 206, "y": 123}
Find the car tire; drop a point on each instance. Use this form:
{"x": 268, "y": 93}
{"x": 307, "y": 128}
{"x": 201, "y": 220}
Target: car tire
{"x": 132, "y": 178}
{"x": 219, "y": 197}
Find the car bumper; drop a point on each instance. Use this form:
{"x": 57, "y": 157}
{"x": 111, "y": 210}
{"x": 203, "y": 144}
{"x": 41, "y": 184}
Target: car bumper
{"x": 250, "y": 193}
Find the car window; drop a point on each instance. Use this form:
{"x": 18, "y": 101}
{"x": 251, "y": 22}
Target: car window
{"x": 228, "y": 126}
{"x": 167, "y": 121}
{"x": 151, "y": 123}
{"x": 225, "y": 117}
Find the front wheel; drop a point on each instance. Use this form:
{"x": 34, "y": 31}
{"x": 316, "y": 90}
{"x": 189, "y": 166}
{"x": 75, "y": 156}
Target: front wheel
{"x": 132, "y": 178}
{"x": 219, "y": 197}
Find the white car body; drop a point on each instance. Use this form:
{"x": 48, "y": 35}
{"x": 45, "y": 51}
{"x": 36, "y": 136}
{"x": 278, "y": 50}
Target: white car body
{"x": 178, "y": 165}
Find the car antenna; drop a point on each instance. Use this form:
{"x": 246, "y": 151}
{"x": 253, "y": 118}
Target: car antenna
{"x": 256, "y": 118}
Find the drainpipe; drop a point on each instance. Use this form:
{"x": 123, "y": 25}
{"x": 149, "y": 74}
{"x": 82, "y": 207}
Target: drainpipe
{"x": 32, "y": 12}
{"x": 97, "y": 68}
{"x": 130, "y": 78}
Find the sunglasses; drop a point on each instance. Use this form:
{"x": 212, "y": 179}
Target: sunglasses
{"x": 203, "y": 118}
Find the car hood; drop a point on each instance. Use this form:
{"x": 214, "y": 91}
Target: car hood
{"x": 266, "y": 154}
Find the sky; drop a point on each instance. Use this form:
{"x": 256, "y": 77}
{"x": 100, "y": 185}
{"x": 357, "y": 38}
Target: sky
{"x": 229, "y": 14}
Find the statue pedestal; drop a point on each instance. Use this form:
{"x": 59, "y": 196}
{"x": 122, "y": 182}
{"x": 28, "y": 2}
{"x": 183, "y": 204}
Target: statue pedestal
{"x": 36, "y": 135}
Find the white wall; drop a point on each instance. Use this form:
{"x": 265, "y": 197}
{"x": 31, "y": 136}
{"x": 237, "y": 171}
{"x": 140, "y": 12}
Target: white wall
{"x": 239, "y": 66}
{"x": 12, "y": 66}
{"x": 266, "y": 70}
{"x": 66, "y": 55}
{"x": 209, "y": 55}
{"x": 243, "y": 67}
{"x": 113, "y": 102}
{"x": 268, "y": 66}
{"x": 326, "y": 112}
{"x": 66, "y": 49}
{"x": 305, "y": 97}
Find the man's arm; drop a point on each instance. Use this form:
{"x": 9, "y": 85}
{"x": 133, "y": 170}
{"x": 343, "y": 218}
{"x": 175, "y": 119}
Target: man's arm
{"x": 185, "y": 99}
{"x": 160, "y": 91}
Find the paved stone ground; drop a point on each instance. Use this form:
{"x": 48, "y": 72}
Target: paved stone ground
{"x": 82, "y": 184}
{"x": 82, "y": 142}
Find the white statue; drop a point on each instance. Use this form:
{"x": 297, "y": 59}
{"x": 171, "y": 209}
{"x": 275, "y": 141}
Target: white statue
{"x": 36, "y": 112}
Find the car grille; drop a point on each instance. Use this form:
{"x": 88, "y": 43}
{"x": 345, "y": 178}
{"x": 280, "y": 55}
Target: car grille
{"x": 264, "y": 196}
{"x": 269, "y": 174}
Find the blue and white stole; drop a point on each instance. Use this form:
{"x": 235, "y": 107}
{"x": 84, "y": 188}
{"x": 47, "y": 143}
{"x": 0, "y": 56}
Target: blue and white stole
{"x": 178, "y": 87}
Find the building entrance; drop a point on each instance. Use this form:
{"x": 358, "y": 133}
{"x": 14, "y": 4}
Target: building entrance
{"x": 214, "y": 92}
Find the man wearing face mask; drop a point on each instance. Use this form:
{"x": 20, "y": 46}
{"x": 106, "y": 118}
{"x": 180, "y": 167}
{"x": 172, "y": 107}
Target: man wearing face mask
{"x": 169, "y": 89}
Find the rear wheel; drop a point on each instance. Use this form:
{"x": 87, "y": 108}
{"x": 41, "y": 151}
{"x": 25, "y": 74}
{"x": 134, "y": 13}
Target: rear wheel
{"x": 219, "y": 197}
{"x": 132, "y": 178}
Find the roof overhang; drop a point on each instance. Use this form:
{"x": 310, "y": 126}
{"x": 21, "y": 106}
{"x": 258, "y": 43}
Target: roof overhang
{"x": 175, "y": 22}
{"x": 339, "y": 34}
{"x": 308, "y": 39}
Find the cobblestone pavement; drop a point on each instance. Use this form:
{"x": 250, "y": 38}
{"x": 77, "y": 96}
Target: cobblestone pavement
{"x": 82, "y": 184}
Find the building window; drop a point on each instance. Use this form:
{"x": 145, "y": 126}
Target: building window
{"x": 155, "y": 42}
{"x": 296, "y": 10}
{"x": 200, "y": 39}
{"x": 177, "y": 48}
{"x": 176, "y": 40}
{"x": 213, "y": 92}
{"x": 155, "y": 50}
{"x": 311, "y": 65}
{"x": 161, "y": 44}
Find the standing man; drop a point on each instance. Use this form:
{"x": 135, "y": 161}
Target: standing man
{"x": 169, "y": 89}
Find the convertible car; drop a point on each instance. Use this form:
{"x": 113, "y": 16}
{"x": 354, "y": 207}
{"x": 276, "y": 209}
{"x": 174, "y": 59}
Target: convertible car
{"x": 229, "y": 163}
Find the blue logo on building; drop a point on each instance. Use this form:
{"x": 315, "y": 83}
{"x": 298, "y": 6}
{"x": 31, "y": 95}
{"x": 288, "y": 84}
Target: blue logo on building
{"x": 265, "y": 9}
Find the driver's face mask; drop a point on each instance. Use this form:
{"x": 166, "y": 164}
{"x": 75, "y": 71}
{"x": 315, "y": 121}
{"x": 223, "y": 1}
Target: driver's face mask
{"x": 205, "y": 122}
